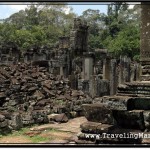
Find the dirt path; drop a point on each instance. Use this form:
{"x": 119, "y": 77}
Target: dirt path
{"x": 73, "y": 125}
{"x": 17, "y": 139}
{"x": 47, "y": 133}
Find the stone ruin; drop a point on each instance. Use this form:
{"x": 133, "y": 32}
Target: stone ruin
{"x": 127, "y": 110}
{"x": 29, "y": 94}
{"x": 9, "y": 54}
{"x": 40, "y": 83}
{"x": 43, "y": 85}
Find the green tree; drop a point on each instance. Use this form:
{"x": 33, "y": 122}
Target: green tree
{"x": 96, "y": 24}
{"x": 39, "y": 24}
{"x": 126, "y": 42}
{"x": 121, "y": 35}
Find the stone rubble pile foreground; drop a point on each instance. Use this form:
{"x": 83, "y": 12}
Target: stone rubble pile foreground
{"x": 29, "y": 95}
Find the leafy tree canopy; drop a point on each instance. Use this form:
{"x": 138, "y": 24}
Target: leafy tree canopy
{"x": 42, "y": 23}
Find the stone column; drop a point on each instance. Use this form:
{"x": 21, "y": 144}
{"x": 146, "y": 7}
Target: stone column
{"x": 65, "y": 70}
{"x": 73, "y": 81}
{"x": 133, "y": 73}
{"x": 121, "y": 66}
{"x": 113, "y": 77}
{"x": 106, "y": 69}
{"x": 145, "y": 40}
{"x": 61, "y": 71}
{"x": 85, "y": 86}
{"x": 88, "y": 63}
{"x": 103, "y": 88}
{"x": 69, "y": 62}
{"x": 124, "y": 70}
{"x": 127, "y": 62}
{"x": 92, "y": 86}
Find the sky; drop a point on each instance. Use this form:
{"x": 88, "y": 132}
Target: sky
{"x": 7, "y": 10}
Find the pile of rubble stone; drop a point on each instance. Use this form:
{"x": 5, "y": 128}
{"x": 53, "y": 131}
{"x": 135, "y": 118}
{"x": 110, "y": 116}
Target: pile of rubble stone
{"x": 28, "y": 94}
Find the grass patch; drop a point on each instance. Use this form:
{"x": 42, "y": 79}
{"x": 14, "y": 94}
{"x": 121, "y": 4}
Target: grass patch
{"x": 20, "y": 132}
{"x": 34, "y": 139}
{"x": 15, "y": 133}
{"x": 38, "y": 138}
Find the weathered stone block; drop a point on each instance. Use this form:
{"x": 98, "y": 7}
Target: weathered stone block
{"x": 2, "y": 95}
{"x": 4, "y": 123}
{"x": 124, "y": 102}
{"x": 103, "y": 88}
{"x": 6, "y": 114}
{"x": 5, "y": 130}
{"x": 114, "y": 102}
{"x": 140, "y": 103}
{"x": 40, "y": 116}
{"x": 146, "y": 115}
{"x": 85, "y": 85}
{"x": 16, "y": 121}
{"x": 98, "y": 113}
{"x": 2, "y": 118}
{"x": 58, "y": 117}
{"x": 113, "y": 77}
{"x": 130, "y": 119}
{"x": 140, "y": 89}
{"x": 94, "y": 127}
{"x": 27, "y": 119}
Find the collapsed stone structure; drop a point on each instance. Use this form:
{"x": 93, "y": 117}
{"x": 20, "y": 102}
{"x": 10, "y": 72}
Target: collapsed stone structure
{"x": 72, "y": 58}
{"x": 38, "y": 86}
{"x": 60, "y": 80}
{"x": 127, "y": 111}
{"x": 9, "y": 54}
{"x": 28, "y": 94}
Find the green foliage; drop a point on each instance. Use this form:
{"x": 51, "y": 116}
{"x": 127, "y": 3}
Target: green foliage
{"x": 118, "y": 31}
{"x": 136, "y": 58}
{"x": 94, "y": 42}
{"x": 19, "y": 38}
{"x": 125, "y": 43}
{"x": 37, "y": 139}
{"x": 33, "y": 139}
{"x": 121, "y": 35}
{"x": 39, "y": 25}
{"x": 95, "y": 21}
{"x": 43, "y": 23}
{"x": 20, "y": 132}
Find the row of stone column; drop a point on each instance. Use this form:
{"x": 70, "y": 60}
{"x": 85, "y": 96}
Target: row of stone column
{"x": 121, "y": 72}
{"x": 114, "y": 73}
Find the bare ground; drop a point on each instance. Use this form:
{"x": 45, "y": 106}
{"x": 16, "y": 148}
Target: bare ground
{"x": 47, "y": 133}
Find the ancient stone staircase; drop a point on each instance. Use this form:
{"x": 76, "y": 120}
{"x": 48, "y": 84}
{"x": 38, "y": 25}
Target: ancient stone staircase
{"x": 138, "y": 89}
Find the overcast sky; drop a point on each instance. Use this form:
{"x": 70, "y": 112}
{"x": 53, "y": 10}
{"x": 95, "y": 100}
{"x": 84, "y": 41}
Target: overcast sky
{"x": 7, "y": 10}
